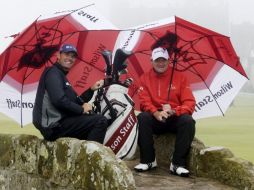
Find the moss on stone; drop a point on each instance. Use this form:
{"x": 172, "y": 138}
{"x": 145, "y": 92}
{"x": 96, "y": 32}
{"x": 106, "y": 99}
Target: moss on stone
{"x": 45, "y": 159}
{"x": 64, "y": 164}
{"x": 220, "y": 164}
{"x": 26, "y": 153}
{"x": 7, "y": 154}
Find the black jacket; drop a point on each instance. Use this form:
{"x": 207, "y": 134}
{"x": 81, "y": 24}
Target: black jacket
{"x": 56, "y": 99}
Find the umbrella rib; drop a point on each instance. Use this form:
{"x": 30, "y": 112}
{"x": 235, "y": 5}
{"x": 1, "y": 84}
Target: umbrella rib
{"x": 214, "y": 50}
{"x": 39, "y": 47}
{"x": 192, "y": 46}
{"x": 59, "y": 21}
{"x": 195, "y": 72}
{"x": 22, "y": 47}
{"x": 204, "y": 57}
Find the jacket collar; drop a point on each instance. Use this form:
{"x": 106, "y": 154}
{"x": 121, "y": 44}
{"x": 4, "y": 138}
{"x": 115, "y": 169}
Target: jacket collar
{"x": 60, "y": 67}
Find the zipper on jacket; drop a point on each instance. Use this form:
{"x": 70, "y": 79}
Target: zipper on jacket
{"x": 47, "y": 117}
{"x": 159, "y": 89}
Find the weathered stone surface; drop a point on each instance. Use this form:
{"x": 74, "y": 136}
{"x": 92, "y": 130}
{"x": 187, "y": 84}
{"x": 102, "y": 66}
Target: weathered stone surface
{"x": 25, "y": 147}
{"x": 164, "y": 147}
{"x": 219, "y": 163}
{"x": 6, "y": 151}
{"x": 161, "y": 179}
{"x": 27, "y": 162}
{"x": 64, "y": 164}
{"x": 193, "y": 160}
{"x": 215, "y": 162}
{"x": 3, "y": 180}
{"x": 45, "y": 159}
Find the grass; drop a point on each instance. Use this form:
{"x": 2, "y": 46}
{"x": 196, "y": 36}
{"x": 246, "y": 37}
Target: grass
{"x": 234, "y": 131}
{"x": 8, "y": 126}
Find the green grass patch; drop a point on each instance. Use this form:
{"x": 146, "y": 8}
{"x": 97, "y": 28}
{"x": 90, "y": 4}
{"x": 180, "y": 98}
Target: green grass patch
{"x": 235, "y": 130}
{"x": 8, "y": 126}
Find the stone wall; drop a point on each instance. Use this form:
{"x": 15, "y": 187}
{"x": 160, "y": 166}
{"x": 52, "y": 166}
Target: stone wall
{"x": 217, "y": 163}
{"x": 27, "y": 162}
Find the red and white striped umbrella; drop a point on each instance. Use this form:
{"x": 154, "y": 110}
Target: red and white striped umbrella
{"x": 34, "y": 49}
{"x": 207, "y": 58}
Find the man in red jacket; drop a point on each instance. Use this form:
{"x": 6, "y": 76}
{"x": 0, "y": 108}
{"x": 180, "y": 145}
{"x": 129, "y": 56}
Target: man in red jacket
{"x": 161, "y": 114}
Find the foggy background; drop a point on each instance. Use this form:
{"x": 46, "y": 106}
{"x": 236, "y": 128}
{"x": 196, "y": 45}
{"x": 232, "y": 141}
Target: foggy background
{"x": 233, "y": 18}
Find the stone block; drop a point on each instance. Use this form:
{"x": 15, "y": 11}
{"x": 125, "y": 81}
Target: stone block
{"x": 31, "y": 163}
{"x": 25, "y": 147}
{"x": 7, "y": 151}
{"x": 219, "y": 163}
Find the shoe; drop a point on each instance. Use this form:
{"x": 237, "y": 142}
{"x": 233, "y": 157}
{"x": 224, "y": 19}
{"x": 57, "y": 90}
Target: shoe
{"x": 145, "y": 167}
{"x": 179, "y": 170}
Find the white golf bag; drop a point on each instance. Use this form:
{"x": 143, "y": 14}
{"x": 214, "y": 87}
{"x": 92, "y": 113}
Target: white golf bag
{"x": 113, "y": 101}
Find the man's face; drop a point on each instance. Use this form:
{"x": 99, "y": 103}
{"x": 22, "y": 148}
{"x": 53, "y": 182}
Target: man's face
{"x": 160, "y": 65}
{"x": 66, "y": 59}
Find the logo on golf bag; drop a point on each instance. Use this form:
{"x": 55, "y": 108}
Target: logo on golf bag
{"x": 120, "y": 136}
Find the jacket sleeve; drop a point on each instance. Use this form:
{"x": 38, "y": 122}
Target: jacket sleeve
{"x": 87, "y": 95}
{"x": 54, "y": 84}
{"x": 145, "y": 98}
{"x": 187, "y": 99}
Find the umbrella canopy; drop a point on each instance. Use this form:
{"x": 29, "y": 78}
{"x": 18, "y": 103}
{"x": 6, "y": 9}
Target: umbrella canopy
{"x": 34, "y": 49}
{"x": 207, "y": 58}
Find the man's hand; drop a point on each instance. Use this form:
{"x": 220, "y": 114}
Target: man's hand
{"x": 171, "y": 112}
{"x": 97, "y": 85}
{"x": 161, "y": 115}
{"x": 167, "y": 108}
{"x": 87, "y": 107}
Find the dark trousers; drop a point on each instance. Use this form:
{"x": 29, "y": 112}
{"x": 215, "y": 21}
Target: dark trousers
{"x": 183, "y": 126}
{"x": 84, "y": 127}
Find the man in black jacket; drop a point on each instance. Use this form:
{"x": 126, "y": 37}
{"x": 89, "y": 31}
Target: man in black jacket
{"x": 58, "y": 111}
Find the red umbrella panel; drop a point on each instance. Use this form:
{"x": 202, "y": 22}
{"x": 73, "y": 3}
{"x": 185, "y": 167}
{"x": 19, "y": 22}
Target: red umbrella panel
{"x": 34, "y": 49}
{"x": 207, "y": 58}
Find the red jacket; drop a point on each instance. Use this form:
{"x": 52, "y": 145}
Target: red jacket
{"x": 154, "y": 91}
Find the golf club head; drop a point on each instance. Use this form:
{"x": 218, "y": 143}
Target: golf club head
{"x": 119, "y": 59}
{"x": 107, "y": 55}
{"x": 128, "y": 82}
{"x": 123, "y": 71}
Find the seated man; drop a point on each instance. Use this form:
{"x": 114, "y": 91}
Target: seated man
{"x": 58, "y": 111}
{"x": 163, "y": 113}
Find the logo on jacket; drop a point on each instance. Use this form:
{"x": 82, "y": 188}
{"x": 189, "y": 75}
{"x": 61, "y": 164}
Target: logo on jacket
{"x": 140, "y": 89}
{"x": 67, "y": 84}
{"x": 173, "y": 87}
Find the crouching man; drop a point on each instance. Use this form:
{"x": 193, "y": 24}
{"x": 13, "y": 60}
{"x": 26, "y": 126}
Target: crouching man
{"x": 59, "y": 111}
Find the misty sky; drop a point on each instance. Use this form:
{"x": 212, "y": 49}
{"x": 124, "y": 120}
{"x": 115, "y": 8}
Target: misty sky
{"x": 17, "y": 14}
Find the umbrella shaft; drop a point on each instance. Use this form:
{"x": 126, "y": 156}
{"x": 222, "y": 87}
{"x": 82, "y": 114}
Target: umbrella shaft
{"x": 171, "y": 79}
